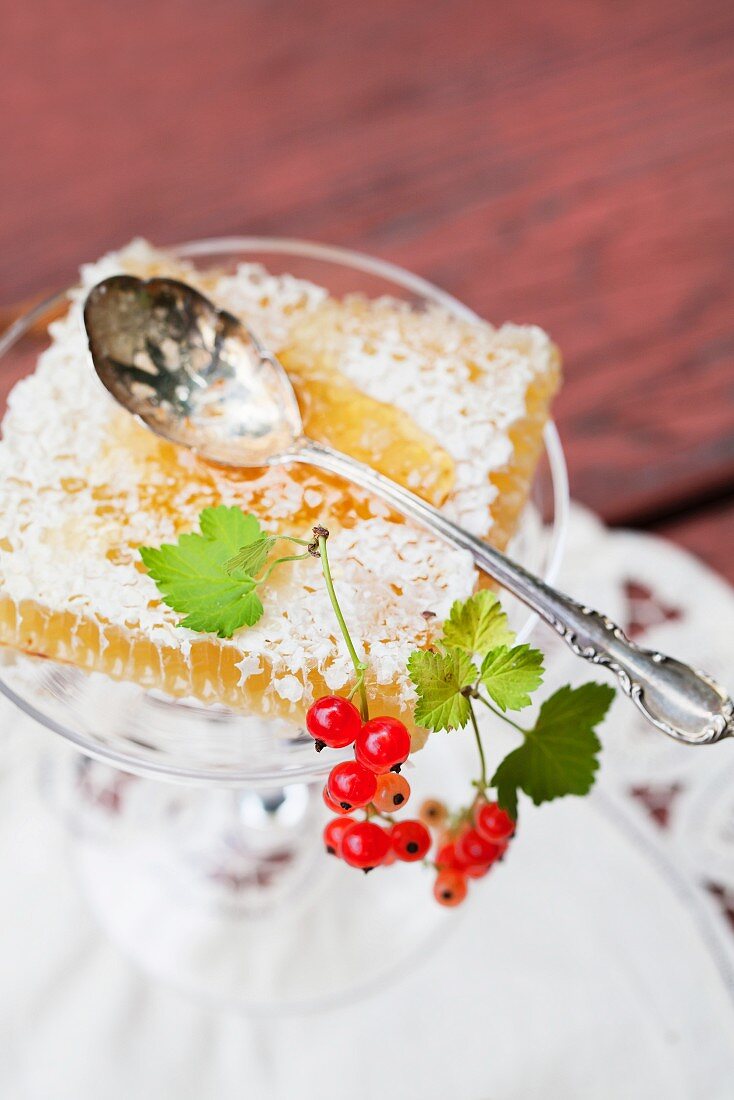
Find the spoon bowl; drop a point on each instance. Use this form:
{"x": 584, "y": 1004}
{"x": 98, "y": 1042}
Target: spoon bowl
{"x": 192, "y": 373}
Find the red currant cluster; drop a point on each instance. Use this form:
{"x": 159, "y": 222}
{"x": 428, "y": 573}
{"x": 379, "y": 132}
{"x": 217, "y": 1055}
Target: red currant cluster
{"x": 370, "y": 782}
{"x": 467, "y": 849}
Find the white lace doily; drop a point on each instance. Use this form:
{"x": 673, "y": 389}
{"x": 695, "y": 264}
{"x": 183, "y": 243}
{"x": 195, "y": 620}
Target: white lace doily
{"x": 598, "y": 964}
{"x": 667, "y": 600}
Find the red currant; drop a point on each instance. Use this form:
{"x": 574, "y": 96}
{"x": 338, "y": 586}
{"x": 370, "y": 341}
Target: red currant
{"x": 477, "y": 870}
{"x": 365, "y": 845}
{"x": 333, "y": 721}
{"x": 351, "y": 784}
{"x": 432, "y": 813}
{"x": 450, "y": 888}
{"x": 393, "y": 791}
{"x": 493, "y": 823}
{"x": 334, "y": 833}
{"x": 390, "y": 858}
{"x": 474, "y": 851}
{"x": 382, "y": 744}
{"x": 411, "y": 840}
{"x": 447, "y": 859}
{"x": 331, "y": 804}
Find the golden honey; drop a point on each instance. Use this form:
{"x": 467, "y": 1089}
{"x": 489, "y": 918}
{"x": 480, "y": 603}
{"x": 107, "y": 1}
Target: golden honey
{"x": 135, "y": 474}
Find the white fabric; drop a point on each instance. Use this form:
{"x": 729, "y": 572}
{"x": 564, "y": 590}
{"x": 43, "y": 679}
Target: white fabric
{"x": 594, "y": 966}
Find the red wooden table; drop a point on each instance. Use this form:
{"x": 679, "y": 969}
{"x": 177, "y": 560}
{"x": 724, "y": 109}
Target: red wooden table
{"x": 570, "y": 164}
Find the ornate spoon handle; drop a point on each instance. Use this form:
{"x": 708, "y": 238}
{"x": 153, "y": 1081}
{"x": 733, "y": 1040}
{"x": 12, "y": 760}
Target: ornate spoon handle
{"x": 683, "y": 703}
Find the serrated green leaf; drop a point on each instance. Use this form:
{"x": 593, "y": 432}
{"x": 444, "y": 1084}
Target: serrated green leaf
{"x": 438, "y": 679}
{"x": 559, "y": 756}
{"x": 228, "y": 613}
{"x": 478, "y": 624}
{"x": 192, "y": 576}
{"x": 586, "y": 705}
{"x": 230, "y": 526}
{"x": 251, "y": 559}
{"x": 506, "y": 792}
{"x": 510, "y": 675}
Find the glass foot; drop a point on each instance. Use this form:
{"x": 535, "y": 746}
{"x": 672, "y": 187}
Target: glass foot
{"x": 229, "y": 896}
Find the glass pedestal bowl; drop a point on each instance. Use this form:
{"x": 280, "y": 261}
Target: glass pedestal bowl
{"x": 197, "y": 831}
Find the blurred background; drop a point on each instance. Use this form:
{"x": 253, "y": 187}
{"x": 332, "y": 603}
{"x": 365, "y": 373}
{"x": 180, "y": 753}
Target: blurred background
{"x": 570, "y": 164}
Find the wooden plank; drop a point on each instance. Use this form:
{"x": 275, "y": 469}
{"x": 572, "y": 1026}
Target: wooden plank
{"x": 569, "y": 164}
{"x": 708, "y": 533}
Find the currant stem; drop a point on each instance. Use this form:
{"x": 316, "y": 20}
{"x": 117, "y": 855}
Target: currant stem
{"x": 358, "y": 665}
{"x": 279, "y": 561}
{"x": 292, "y": 538}
{"x": 480, "y": 746}
{"x": 372, "y": 811}
{"x": 499, "y": 714}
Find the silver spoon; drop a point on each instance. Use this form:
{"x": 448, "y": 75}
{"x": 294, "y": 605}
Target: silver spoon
{"x": 197, "y": 376}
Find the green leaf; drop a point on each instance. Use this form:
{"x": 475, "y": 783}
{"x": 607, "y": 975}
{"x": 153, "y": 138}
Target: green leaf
{"x": 226, "y": 614}
{"x": 439, "y": 678}
{"x": 230, "y": 526}
{"x": 506, "y": 789}
{"x": 478, "y": 624}
{"x": 559, "y": 755}
{"x": 510, "y": 675}
{"x": 252, "y": 558}
{"x": 192, "y": 575}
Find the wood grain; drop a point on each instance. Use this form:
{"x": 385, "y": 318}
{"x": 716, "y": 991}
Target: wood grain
{"x": 570, "y": 164}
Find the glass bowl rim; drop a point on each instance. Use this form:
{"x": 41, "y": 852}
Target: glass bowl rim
{"x": 346, "y": 258}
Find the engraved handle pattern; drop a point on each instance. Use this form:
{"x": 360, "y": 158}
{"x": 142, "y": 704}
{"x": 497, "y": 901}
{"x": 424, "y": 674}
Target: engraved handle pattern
{"x": 679, "y": 700}
{"x": 686, "y": 704}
